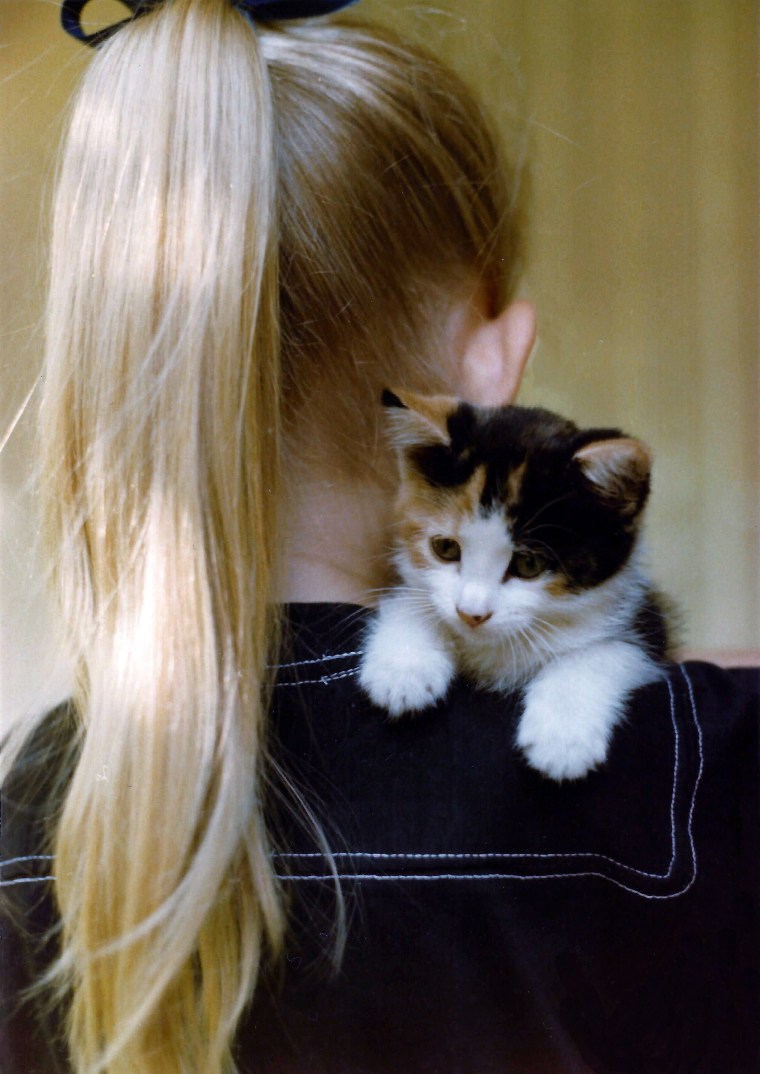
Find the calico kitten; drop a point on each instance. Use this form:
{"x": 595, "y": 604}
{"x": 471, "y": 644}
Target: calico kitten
{"x": 516, "y": 547}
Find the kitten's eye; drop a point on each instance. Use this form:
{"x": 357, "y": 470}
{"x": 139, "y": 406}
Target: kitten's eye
{"x": 526, "y": 565}
{"x": 446, "y": 549}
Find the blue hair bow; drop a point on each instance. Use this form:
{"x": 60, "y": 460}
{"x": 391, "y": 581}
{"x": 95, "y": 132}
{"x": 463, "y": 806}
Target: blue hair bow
{"x": 262, "y": 10}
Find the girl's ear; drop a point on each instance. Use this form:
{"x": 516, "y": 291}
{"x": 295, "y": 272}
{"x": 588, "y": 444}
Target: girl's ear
{"x": 495, "y": 355}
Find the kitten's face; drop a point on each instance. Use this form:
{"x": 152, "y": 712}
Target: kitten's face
{"x": 509, "y": 519}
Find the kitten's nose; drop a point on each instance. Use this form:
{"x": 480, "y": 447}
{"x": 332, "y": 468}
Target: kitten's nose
{"x": 473, "y": 620}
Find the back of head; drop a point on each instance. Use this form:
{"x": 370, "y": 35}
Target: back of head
{"x": 394, "y": 199}
{"x": 246, "y": 219}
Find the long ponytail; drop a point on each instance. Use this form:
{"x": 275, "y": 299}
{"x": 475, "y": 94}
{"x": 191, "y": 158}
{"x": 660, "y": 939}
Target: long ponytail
{"x": 183, "y": 192}
{"x": 160, "y": 448}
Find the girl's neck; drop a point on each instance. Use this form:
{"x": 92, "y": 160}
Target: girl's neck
{"x": 336, "y": 539}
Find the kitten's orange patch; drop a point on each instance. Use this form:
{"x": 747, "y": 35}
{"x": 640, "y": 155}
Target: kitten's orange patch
{"x": 423, "y": 510}
{"x": 417, "y": 496}
{"x": 557, "y": 586}
{"x": 462, "y": 501}
{"x": 424, "y": 419}
{"x": 413, "y": 534}
{"x": 514, "y": 484}
{"x": 465, "y": 500}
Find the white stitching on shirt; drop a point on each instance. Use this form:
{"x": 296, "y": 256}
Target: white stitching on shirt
{"x": 484, "y": 856}
{"x": 318, "y": 660}
{"x": 323, "y": 681}
{"x": 26, "y": 857}
{"x": 492, "y": 876}
{"x": 559, "y": 876}
{"x": 24, "y": 880}
{"x": 700, "y": 770}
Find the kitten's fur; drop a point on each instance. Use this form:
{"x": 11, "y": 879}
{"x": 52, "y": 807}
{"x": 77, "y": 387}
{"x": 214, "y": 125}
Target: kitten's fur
{"x": 516, "y": 547}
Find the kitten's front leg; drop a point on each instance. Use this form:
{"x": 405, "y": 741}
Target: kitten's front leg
{"x": 406, "y": 665}
{"x": 574, "y": 703}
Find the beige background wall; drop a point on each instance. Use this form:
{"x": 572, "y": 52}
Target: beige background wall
{"x": 640, "y": 122}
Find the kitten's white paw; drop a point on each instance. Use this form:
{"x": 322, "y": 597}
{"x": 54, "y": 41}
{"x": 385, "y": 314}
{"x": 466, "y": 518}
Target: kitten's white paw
{"x": 405, "y": 679}
{"x": 553, "y": 746}
{"x": 574, "y": 704}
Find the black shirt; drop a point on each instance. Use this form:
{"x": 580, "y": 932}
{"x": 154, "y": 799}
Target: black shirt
{"x": 497, "y": 921}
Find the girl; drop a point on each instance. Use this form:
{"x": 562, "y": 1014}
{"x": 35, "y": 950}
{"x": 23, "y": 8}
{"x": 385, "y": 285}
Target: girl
{"x": 257, "y": 227}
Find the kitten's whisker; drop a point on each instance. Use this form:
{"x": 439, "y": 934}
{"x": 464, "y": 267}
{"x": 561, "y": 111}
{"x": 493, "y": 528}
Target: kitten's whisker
{"x": 539, "y": 543}
{"x": 550, "y": 630}
{"x": 351, "y": 618}
{"x": 529, "y": 531}
{"x": 545, "y": 507}
{"x": 382, "y": 590}
{"x": 529, "y": 537}
{"x": 509, "y": 641}
{"x": 552, "y": 553}
{"x": 537, "y": 647}
{"x": 539, "y": 636}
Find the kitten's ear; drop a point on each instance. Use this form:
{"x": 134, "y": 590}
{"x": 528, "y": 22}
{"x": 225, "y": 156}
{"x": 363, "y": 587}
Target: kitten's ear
{"x": 618, "y": 469}
{"x": 415, "y": 419}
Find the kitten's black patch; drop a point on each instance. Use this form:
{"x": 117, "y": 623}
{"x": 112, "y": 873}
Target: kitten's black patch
{"x": 560, "y": 512}
{"x": 498, "y": 438}
{"x": 453, "y": 464}
{"x": 440, "y": 466}
{"x": 389, "y": 398}
{"x": 656, "y": 624}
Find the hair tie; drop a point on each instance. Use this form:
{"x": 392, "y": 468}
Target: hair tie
{"x": 261, "y": 10}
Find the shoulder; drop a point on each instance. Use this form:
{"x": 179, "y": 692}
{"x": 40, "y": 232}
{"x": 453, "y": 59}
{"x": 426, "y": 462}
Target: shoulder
{"x": 615, "y": 915}
{"x": 728, "y": 698}
{"x": 29, "y": 800}
{"x": 32, "y": 792}
{"x": 446, "y": 793}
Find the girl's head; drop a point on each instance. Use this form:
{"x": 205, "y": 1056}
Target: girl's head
{"x": 394, "y": 205}
{"x": 249, "y": 223}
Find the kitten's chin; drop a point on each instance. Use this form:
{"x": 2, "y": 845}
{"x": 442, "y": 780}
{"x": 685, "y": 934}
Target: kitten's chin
{"x": 483, "y": 634}
{"x": 459, "y": 630}
{"x": 491, "y": 636}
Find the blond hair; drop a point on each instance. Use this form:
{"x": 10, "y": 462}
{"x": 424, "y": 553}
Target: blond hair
{"x": 240, "y": 216}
